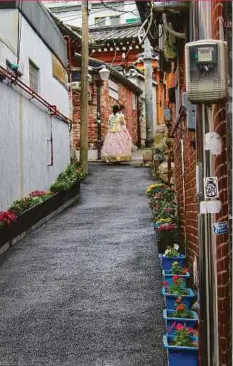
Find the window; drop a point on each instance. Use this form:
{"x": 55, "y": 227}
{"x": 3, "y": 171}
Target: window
{"x": 113, "y": 89}
{"x": 115, "y": 20}
{"x": 33, "y": 76}
{"x": 100, "y": 21}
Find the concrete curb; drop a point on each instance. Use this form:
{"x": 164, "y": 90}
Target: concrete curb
{"x": 40, "y": 223}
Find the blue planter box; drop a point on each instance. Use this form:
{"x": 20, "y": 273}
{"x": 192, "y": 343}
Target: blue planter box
{"x": 168, "y": 277}
{"x": 170, "y": 300}
{"x": 192, "y": 323}
{"x": 181, "y": 356}
{"x": 167, "y": 261}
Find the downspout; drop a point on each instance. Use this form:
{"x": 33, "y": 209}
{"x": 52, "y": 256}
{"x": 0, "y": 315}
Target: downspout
{"x": 70, "y": 88}
{"x": 209, "y": 350}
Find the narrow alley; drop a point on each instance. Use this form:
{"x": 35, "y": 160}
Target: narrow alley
{"x": 85, "y": 289}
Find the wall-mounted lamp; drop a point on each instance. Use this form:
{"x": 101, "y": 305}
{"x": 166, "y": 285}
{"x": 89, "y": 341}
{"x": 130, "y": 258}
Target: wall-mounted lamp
{"x": 104, "y": 73}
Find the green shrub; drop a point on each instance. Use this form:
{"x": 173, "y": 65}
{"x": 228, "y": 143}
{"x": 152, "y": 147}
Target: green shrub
{"x": 67, "y": 179}
{"x": 19, "y": 206}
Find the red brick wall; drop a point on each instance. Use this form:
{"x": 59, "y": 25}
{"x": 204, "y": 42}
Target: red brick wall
{"x": 187, "y": 204}
{"x": 223, "y": 244}
{"x": 106, "y": 102}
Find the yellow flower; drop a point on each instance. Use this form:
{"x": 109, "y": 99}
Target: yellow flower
{"x": 154, "y": 186}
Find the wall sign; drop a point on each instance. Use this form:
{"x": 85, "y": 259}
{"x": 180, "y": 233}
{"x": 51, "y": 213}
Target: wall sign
{"x": 211, "y": 187}
{"x": 220, "y": 228}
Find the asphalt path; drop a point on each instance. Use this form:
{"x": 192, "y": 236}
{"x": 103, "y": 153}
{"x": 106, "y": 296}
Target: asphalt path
{"x": 85, "y": 289}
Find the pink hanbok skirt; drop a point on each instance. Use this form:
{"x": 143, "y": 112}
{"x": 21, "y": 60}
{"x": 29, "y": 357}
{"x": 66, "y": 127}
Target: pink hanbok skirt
{"x": 117, "y": 145}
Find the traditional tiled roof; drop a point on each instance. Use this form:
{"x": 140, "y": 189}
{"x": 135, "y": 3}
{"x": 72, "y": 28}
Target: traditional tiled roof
{"x": 117, "y": 33}
{"x": 65, "y": 28}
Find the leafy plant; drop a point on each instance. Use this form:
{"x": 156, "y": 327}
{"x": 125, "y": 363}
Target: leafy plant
{"x": 176, "y": 269}
{"x": 19, "y": 206}
{"x": 6, "y": 218}
{"x": 181, "y": 310}
{"x": 154, "y": 189}
{"x": 172, "y": 252}
{"x": 67, "y": 179}
{"x": 183, "y": 336}
{"x": 177, "y": 287}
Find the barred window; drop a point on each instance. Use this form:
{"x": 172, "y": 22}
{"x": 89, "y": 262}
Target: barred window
{"x": 33, "y": 76}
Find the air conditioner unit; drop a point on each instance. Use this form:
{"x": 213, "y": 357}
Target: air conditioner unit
{"x": 76, "y": 85}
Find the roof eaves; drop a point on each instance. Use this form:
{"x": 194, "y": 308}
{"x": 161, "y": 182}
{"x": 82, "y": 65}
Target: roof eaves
{"x": 65, "y": 27}
{"x": 115, "y": 74}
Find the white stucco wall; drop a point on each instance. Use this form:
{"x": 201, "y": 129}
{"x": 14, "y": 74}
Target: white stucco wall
{"x": 73, "y": 16}
{"x": 25, "y": 151}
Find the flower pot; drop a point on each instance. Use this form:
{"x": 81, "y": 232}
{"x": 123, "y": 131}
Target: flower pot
{"x": 187, "y": 322}
{"x": 168, "y": 277}
{"x": 181, "y": 356}
{"x": 171, "y": 299}
{"x": 168, "y": 261}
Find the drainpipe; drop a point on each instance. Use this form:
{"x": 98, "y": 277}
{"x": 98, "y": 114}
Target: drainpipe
{"x": 207, "y": 241}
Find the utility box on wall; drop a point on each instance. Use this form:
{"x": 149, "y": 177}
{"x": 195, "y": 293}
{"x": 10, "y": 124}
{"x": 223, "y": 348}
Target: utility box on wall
{"x": 190, "y": 111}
{"x": 206, "y": 71}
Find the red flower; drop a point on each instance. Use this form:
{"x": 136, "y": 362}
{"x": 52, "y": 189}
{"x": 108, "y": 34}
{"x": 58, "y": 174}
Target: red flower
{"x": 175, "y": 278}
{"x": 180, "y": 327}
{"x": 180, "y": 307}
{"x": 165, "y": 283}
{"x": 37, "y": 194}
{"x": 178, "y": 300}
{"x": 190, "y": 330}
{"x": 7, "y": 217}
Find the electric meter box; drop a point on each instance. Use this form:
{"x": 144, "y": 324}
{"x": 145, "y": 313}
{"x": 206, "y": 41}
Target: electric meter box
{"x": 206, "y": 71}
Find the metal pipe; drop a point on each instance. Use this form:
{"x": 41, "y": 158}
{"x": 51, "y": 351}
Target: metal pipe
{"x": 171, "y": 30}
{"x": 51, "y": 141}
{"x": 172, "y": 6}
{"x": 16, "y": 81}
{"x": 207, "y": 242}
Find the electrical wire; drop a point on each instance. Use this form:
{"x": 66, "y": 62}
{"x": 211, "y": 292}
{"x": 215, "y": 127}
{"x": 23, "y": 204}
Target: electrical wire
{"x": 111, "y": 8}
{"x": 95, "y": 12}
{"x": 149, "y": 25}
{"x": 80, "y": 17}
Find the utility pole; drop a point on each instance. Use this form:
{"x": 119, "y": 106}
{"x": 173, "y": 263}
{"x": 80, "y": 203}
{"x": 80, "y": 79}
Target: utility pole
{"x": 148, "y": 93}
{"x": 84, "y": 90}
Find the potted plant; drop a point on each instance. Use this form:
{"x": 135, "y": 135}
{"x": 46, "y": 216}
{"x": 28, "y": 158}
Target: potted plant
{"x": 177, "y": 289}
{"x": 181, "y": 315}
{"x": 170, "y": 256}
{"x": 182, "y": 346}
{"x": 176, "y": 270}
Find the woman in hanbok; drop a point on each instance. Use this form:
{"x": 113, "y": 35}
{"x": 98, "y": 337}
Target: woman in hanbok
{"x": 117, "y": 145}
